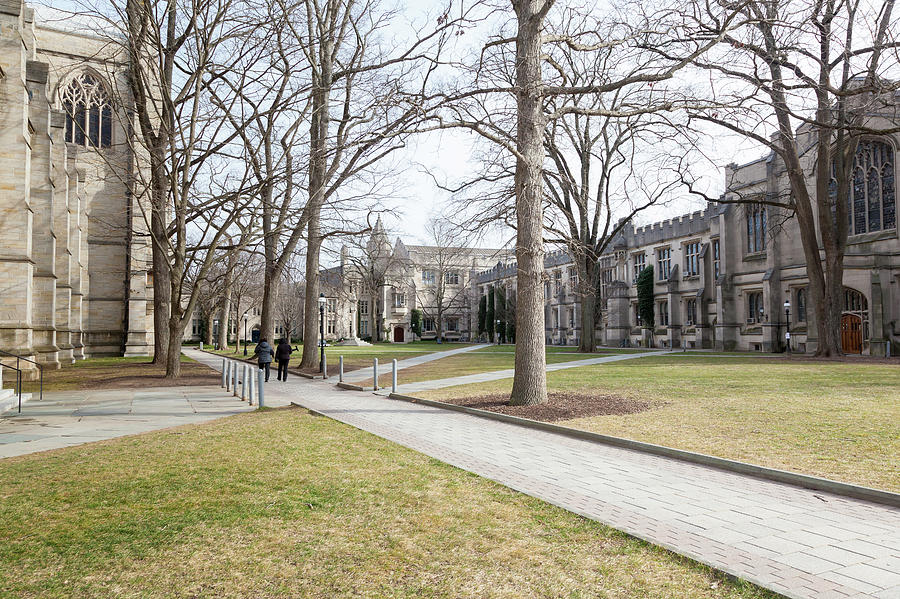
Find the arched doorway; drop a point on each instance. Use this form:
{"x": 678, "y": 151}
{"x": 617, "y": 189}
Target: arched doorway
{"x": 854, "y": 321}
{"x": 398, "y": 334}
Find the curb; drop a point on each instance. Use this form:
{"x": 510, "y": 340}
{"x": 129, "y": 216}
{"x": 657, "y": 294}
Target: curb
{"x": 772, "y": 474}
{"x": 351, "y": 387}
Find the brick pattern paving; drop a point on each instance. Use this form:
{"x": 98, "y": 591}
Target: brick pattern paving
{"x": 801, "y": 543}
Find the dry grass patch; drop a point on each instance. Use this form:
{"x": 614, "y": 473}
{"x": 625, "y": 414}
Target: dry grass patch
{"x": 122, "y": 373}
{"x": 280, "y": 503}
{"x": 839, "y": 420}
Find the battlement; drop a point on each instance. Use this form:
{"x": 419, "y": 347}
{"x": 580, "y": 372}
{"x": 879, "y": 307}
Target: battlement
{"x": 673, "y": 228}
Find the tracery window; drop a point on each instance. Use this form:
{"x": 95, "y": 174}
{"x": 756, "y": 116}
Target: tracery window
{"x": 801, "y": 305}
{"x": 756, "y": 228}
{"x": 664, "y": 262}
{"x": 871, "y": 205}
{"x": 755, "y": 308}
{"x": 692, "y": 259}
{"x": 88, "y": 112}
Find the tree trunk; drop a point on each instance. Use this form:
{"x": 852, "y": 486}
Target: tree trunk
{"x": 318, "y": 167}
{"x": 270, "y": 296}
{"x": 530, "y": 379}
{"x": 225, "y": 314}
{"x": 173, "y": 356}
{"x": 587, "y": 294}
{"x": 208, "y": 329}
{"x": 161, "y": 281}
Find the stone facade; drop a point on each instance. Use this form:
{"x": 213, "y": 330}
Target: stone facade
{"x": 73, "y": 265}
{"x": 723, "y": 275}
{"x": 372, "y": 295}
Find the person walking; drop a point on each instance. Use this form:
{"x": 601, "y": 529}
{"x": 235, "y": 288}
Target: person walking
{"x": 283, "y": 356}
{"x": 264, "y": 353}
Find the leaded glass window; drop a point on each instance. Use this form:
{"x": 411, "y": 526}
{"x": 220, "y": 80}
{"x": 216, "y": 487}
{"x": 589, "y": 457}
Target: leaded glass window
{"x": 756, "y": 228}
{"x": 88, "y": 112}
{"x": 872, "y": 202}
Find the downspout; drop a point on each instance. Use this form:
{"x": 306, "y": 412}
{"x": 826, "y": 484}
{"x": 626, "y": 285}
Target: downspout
{"x": 129, "y": 234}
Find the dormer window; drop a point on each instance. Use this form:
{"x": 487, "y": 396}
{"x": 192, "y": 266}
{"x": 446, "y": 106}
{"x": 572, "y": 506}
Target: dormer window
{"x": 88, "y": 112}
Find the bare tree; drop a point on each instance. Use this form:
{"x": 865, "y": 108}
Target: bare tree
{"x": 812, "y": 71}
{"x": 442, "y": 289}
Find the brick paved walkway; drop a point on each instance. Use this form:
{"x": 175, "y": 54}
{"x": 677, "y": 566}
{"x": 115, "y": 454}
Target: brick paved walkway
{"x": 801, "y": 543}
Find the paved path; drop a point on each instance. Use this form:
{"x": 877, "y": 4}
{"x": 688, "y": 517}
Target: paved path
{"x": 66, "y": 418}
{"x": 803, "y": 544}
{"x": 483, "y": 377}
{"x": 366, "y": 373}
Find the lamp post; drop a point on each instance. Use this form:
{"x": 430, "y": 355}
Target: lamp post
{"x": 322, "y": 302}
{"x": 787, "y": 325}
{"x": 245, "y": 334}
{"x": 497, "y": 328}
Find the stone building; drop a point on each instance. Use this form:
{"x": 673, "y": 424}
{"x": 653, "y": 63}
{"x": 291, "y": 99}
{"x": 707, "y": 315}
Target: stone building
{"x": 371, "y": 295}
{"x": 73, "y": 262}
{"x": 723, "y": 275}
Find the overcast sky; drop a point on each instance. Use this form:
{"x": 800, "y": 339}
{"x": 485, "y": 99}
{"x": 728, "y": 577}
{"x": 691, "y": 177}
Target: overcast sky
{"x": 446, "y": 156}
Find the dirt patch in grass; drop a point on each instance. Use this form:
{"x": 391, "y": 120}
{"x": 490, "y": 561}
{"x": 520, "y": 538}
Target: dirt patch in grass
{"x": 561, "y": 406}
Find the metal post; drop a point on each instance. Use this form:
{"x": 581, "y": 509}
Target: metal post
{"x": 201, "y": 346}
{"x": 228, "y": 375}
{"x": 236, "y": 380}
{"x": 260, "y": 385}
{"x": 375, "y": 372}
{"x": 245, "y": 336}
{"x": 250, "y": 387}
{"x": 324, "y": 365}
{"x": 394, "y": 375}
{"x": 340, "y": 369}
{"x": 321, "y": 336}
{"x": 224, "y": 373}
{"x": 246, "y": 382}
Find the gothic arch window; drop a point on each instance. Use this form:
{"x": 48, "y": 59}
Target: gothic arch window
{"x": 871, "y": 205}
{"x": 88, "y": 112}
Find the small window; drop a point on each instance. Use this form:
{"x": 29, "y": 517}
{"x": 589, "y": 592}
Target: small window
{"x": 756, "y": 228}
{"x": 716, "y": 260}
{"x": 755, "y": 308}
{"x": 640, "y": 262}
{"x": 364, "y": 306}
{"x": 451, "y": 277}
{"x": 801, "y": 305}
{"x": 690, "y": 309}
{"x": 332, "y": 306}
{"x": 573, "y": 277}
{"x": 428, "y": 324}
{"x": 331, "y": 327}
{"x": 428, "y": 277}
{"x": 663, "y": 313}
{"x": 664, "y": 263}
{"x": 399, "y": 300}
{"x": 452, "y": 324}
{"x": 692, "y": 259}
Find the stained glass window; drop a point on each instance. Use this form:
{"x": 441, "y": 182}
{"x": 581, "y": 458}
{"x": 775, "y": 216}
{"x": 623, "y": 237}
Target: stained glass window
{"x": 872, "y": 201}
{"x": 88, "y": 112}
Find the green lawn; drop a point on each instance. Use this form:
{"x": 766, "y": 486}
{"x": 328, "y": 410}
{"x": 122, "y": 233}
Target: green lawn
{"x": 467, "y": 363}
{"x": 279, "y": 503}
{"x": 831, "y": 419}
{"x": 356, "y": 357}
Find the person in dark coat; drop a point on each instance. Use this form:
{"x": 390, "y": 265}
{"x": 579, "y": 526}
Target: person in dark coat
{"x": 264, "y": 353}
{"x": 283, "y": 356}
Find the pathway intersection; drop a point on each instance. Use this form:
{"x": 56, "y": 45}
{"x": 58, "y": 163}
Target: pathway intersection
{"x": 803, "y": 544}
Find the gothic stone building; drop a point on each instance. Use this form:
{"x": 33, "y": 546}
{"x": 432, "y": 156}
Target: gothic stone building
{"x": 73, "y": 279}
{"x": 723, "y": 275}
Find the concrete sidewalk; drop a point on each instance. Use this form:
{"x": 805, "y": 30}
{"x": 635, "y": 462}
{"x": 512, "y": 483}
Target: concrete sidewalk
{"x": 803, "y": 544}
{"x": 67, "y": 418}
{"x": 366, "y": 373}
{"x": 483, "y": 377}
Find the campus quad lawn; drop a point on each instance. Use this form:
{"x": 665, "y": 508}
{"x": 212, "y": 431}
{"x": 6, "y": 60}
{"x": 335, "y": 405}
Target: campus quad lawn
{"x": 113, "y": 373}
{"x": 467, "y": 363}
{"x": 280, "y": 503}
{"x": 840, "y": 420}
{"x": 356, "y": 357}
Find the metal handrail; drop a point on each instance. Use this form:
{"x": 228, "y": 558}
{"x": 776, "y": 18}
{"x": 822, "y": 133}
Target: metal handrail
{"x": 19, "y": 373}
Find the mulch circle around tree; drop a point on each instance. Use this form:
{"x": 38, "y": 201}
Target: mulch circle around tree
{"x": 561, "y": 406}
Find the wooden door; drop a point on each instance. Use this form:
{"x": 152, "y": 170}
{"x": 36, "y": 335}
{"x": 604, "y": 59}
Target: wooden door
{"x": 398, "y": 334}
{"x": 851, "y": 334}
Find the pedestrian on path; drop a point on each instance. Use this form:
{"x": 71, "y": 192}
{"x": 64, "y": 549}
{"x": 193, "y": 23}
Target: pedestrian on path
{"x": 264, "y": 353}
{"x": 283, "y": 356}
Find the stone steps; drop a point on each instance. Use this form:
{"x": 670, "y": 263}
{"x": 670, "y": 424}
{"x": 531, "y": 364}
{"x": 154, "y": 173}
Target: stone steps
{"x": 10, "y": 401}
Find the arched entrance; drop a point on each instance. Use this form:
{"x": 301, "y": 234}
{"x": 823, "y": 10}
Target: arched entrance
{"x": 398, "y": 334}
{"x": 854, "y": 321}
{"x": 851, "y": 334}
